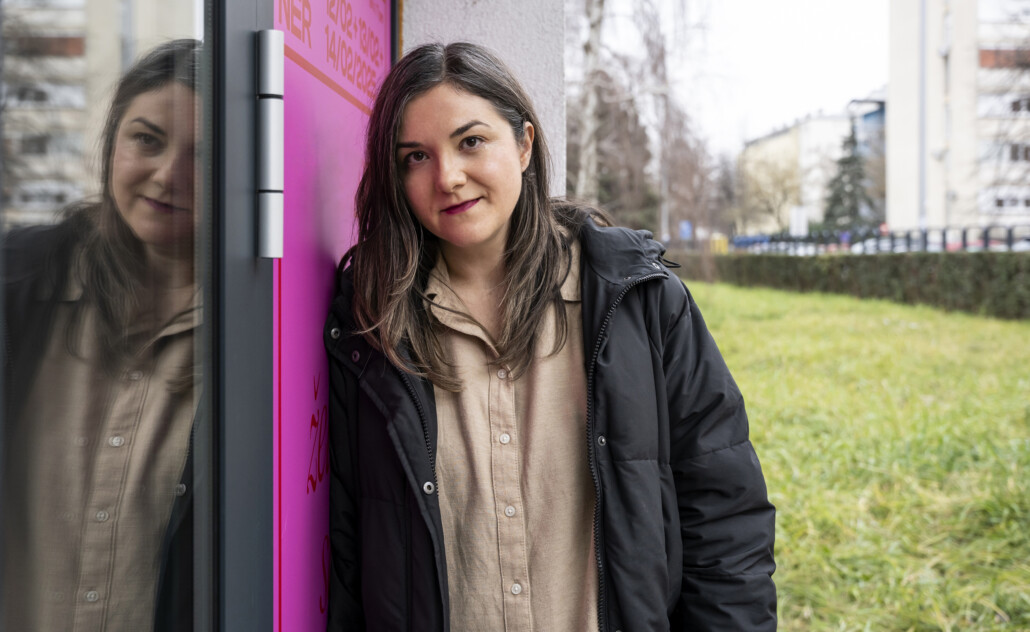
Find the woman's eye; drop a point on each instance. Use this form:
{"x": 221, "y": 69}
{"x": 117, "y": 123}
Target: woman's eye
{"x": 146, "y": 141}
{"x": 472, "y": 142}
{"x": 414, "y": 157}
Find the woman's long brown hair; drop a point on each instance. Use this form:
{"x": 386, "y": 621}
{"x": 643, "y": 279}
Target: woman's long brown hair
{"x": 394, "y": 255}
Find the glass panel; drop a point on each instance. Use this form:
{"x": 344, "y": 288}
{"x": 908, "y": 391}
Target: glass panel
{"x": 104, "y": 160}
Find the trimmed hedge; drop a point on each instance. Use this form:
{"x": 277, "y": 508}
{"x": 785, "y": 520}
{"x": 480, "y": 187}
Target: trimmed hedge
{"x": 988, "y": 283}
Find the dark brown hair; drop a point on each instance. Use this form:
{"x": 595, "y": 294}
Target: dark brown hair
{"x": 394, "y": 255}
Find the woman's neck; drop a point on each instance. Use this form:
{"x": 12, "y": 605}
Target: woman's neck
{"x": 169, "y": 271}
{"x": 475, "y": 270}
{"x": 479, "y": 281}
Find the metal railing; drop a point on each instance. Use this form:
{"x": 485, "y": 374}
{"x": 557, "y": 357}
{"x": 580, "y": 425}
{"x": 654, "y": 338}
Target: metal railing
{"x": 1015, "y": 238}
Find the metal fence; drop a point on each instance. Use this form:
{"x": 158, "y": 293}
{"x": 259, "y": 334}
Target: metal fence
{"x": 1014, "y": 238}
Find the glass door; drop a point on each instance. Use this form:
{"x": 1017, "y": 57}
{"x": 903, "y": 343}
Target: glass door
{"x": 112, "y": 264}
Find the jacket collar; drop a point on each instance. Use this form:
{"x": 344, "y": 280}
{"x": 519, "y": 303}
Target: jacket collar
{"x": 620, "y": 255}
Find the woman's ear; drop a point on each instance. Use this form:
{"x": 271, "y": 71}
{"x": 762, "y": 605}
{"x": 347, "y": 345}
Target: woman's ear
{"x": 526, "y": 151}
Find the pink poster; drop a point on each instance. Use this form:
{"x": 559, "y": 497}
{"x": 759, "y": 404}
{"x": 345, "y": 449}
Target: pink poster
{"x": 337, "y": 53}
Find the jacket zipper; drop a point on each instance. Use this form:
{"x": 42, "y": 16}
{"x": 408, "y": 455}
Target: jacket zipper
{"x": 429, "y": 449}
{"x": 602, "y": 607}
{"x": 425, "y": 426}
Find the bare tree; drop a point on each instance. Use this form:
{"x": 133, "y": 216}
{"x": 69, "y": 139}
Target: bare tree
{"x": 586, "y": 184}
{"x": 724, "y": 196}
{"x": 1004, "y": 108}
{"x": 624, "y": 186}
{"x": 649, "y": 84}
{"x": 767, "y": 190}
{"x": 689, "y": 174}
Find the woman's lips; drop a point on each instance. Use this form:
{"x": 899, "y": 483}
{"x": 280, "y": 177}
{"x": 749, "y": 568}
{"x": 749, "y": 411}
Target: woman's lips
{"x": 460, "y": 208}
{"x": 162, "y": 207}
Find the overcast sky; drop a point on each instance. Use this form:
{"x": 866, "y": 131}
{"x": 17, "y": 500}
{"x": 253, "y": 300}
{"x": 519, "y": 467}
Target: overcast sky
{"x": 762, "y": 64}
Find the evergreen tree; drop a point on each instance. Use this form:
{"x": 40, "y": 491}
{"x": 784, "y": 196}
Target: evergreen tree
{"x": 848, "y": 205}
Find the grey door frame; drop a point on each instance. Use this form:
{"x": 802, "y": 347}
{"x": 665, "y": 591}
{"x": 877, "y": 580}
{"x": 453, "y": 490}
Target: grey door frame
{"x": 234, "y": 513}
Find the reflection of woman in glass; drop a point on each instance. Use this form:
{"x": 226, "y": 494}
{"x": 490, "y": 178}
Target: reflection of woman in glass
{"x": 531, "y": 427}
{"x": 100, "y": 311}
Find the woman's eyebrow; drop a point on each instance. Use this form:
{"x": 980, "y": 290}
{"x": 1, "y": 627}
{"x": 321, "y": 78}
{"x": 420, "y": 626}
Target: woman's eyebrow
{"x": 466, "y": 127}
{"x": 140, "y": 119}
{"x": 458, "y": 132}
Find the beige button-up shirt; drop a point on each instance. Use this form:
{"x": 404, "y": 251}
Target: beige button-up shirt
{"x": 516, "y": 494}
{"x": 94, "y": 467}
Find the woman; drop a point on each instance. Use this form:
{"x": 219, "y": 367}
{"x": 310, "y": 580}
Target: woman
{"x": 100, "y": 311}
{"x": 530, "y": 425}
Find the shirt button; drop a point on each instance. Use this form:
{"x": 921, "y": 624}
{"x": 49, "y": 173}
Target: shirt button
{"x": 102, "y": 516}
{"x": 116, "y": 441}
{"x": 501, "y": 373}
{"x": 135, "y": 376}
{"x": 91, "y": 596}
{"x": 428, "y": 487}
{"x": 180, "y": 489}
{"x": 601, "y": 440}
{"x": 505, "y": 438}
{"x": 334, "y": 333}
{"x": 509, "y": 511}
{"x": 516, "y": 588}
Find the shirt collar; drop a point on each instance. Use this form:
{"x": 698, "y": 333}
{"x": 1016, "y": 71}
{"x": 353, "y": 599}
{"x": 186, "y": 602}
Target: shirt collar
{"x": 445, "y": 306}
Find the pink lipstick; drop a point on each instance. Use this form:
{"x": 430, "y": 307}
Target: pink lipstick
{"x": 161, "y": 206}
{"x": 460, "y": 208}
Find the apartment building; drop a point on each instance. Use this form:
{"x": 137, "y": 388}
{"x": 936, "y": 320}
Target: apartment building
{"x": 784, "y": 174}
{"x": 61, "y": 59}
{"x": 958, "y": 132}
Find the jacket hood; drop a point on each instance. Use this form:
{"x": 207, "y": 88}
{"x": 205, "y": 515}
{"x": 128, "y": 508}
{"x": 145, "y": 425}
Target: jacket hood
{"x": 619, "y": 254}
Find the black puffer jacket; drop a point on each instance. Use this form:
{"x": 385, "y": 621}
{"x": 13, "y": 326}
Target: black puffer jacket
{"x": 683, "y": 527}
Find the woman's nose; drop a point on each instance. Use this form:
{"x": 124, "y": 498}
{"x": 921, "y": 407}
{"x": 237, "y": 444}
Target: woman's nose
{"x": 450, "y": 174}
{"x": 176, "y": 170}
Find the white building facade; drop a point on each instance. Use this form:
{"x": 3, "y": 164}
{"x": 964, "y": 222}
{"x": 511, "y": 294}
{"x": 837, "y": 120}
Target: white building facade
{"x": 801, "y": 160}
{"x": 958, "y": 125}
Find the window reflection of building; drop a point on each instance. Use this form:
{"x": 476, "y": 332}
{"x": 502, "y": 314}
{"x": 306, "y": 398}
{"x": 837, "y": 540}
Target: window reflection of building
{"x": 61, "y": 58}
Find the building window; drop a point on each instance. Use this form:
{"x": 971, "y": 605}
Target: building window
{"x": 1019, "y": 152}
{"x": 35, "y": 145}
{"x": 48, "y": 95}
{"x": 1018, "y": 58}
{"x": 29, "y": 94}
{"x": 46, "y": 46}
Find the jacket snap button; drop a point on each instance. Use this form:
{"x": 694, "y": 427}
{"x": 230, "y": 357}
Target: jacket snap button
{"x": 601, "y": 440}
{"x": 428, "y": 487}
{"x": 334, "y": 333}
{"x": 355, "y": 356}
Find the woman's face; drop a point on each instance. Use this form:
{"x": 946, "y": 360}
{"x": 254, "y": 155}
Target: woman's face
{"x": 461, "y": 168}
{"x": 152, "y": 170}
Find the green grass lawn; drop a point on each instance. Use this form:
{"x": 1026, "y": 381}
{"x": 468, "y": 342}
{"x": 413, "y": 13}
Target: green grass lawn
{"x": 895, "y": 441}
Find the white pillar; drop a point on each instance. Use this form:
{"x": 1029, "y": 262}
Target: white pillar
{"x": 529, "y": 36}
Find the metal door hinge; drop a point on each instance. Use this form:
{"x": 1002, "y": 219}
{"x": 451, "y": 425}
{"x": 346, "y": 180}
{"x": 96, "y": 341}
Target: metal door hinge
{"x": 270, "y": 165}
